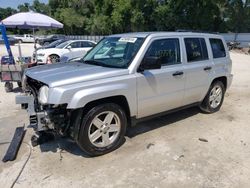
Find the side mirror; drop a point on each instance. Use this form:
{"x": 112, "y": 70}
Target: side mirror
{"x": 149, "y": 63}
{"x": 69, "y": 47}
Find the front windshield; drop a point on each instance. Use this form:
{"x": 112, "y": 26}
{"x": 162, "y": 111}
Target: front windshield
{"x": 117, "y": 52}
{"x": 55, "y": 43}
{"x": 63, "y": 45}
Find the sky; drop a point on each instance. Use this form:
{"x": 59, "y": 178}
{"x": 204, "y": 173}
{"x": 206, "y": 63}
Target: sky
{"x": 15, "y": 3}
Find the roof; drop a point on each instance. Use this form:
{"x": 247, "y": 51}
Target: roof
{"x": 158, "y": 34}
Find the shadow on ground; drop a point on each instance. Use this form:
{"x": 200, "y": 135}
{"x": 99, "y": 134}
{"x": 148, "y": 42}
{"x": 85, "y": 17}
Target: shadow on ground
{"x": 143, "y": 127}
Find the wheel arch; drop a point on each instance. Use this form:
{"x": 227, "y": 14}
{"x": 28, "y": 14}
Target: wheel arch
{"x": 223, "y": 79}
{"x": 77, "y": 113}
{"x": 118, "y": 99}
{"x": 54, "y": 55}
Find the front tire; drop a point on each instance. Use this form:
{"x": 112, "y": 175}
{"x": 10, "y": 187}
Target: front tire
{"x": 214, "y": 98}
{"x": 54, "y": 59}
{"x": 102, "y": 129}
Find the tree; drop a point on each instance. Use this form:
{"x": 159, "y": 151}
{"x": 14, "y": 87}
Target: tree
{"x": 23, "y": 7}
{"x": 40, "y": 7}
{"x": 115, "y": 16}
{"x": 6, "y": 12}
{"x": 238, "y": 15}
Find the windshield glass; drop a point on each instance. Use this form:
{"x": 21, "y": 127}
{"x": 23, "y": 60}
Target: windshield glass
{"x": 63, "y": 45}
{"x": 117, "y": 52}
{"x": 55, "y": 43}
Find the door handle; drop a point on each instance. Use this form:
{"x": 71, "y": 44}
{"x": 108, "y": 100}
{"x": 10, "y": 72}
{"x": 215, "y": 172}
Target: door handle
{"x": 178, "y": 73}
{"x": 207, "y": 68}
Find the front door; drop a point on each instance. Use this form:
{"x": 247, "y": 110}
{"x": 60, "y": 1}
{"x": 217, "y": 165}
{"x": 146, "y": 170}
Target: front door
{"x": 75, "y": 50}
{"x": 162, "y": 89}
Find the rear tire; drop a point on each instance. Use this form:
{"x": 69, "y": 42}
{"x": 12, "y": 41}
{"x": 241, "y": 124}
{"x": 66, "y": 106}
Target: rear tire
{"x": 102, "y": 129}
{"x": 19, "y": 84}
{"x": 8, "y": 87}
{"x": 214, "y": 98}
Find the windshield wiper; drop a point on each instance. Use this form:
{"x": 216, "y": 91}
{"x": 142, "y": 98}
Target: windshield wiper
{"x": 98, "y": 63}
{"x": 93, "y": 62}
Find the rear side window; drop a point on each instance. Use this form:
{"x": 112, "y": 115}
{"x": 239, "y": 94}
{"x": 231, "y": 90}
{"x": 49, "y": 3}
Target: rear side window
{"x": 166, "y": 49}
{"x": 87, "y": 44}
{"x": 75, "y": 45}
{"x": 218, "y": 48}
{"x": 196, "y": 49}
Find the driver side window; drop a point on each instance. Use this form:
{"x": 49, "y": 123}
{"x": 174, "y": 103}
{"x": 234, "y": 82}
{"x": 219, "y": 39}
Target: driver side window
{"x": 75, "y": 45}
{"x": 168, "y": 50}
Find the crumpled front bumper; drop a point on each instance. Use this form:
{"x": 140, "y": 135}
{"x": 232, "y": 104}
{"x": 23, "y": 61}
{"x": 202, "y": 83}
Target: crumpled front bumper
{"x": 38, "y": 120}
{"x": 27, "y": 101}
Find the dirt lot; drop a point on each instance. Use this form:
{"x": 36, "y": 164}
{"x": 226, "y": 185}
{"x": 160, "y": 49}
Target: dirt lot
{"x": 163, "y": 152}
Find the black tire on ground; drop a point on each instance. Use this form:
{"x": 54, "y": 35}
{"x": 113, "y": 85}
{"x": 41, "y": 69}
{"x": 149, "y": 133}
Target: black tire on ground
{"x": 8, "y": 86}
{"x": 19, "y": 84}
{"x": 54, "y": 58}
{"x": 86, "y": 126}
{"x": 207, "y": 105}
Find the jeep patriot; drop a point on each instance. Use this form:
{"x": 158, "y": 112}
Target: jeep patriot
{"x": 124, "y": 79}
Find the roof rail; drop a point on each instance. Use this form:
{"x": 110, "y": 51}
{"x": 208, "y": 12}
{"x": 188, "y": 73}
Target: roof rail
{"x": 195, "y": 31}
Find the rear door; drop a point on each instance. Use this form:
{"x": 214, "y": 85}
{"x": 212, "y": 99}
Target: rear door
{"x": 198, "y": 68}
{"x": 221, "y": 59}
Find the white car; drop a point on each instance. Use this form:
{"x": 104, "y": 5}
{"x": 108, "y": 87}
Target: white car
{"x": 25, "y": 38}
{"x": 70, "y": 49}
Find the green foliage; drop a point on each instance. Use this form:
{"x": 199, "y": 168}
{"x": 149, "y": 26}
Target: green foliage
{"x": 102, "y": 17}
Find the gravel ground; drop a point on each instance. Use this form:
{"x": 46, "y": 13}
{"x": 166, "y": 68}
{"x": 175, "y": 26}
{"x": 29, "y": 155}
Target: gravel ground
{"x": 162, "y": 152}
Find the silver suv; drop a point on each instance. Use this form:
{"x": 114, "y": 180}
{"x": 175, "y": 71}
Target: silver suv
{"x": 124, "y": 79}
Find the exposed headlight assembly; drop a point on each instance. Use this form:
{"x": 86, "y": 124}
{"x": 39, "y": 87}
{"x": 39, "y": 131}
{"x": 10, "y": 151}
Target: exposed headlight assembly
{"x": 43, "y": 94}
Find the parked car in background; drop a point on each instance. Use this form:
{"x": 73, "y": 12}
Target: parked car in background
{"x": 70, "y": 49}
{"x": 25, "y": 38}
{"x": 51, "y": 45}
{"x": 49, "y": 39}
{"x": 125, "y": 79}
{"x": 12, "y": 40}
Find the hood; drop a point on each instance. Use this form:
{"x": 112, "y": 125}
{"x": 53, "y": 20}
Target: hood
{"x": 48, "y": 50}
{"x": 70, "y": 73}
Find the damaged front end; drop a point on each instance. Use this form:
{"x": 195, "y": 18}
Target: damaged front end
{"x": 43, "y": 117}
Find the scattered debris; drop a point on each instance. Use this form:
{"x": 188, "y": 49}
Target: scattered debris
{"x": 243, "y": 143}
{"x": 176, "y": 157}
{"x": 46, "y": 177}
{"x": 181, "y": 156}
{"x": 230, "y": 118}
{"x": 203, "y": 140}
{"x": 14, "y": 145}
{"x": 149, "y": 145}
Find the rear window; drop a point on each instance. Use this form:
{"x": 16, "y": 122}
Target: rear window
{"x": 218, "y": 48}
{"x": 196, "y": 49}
